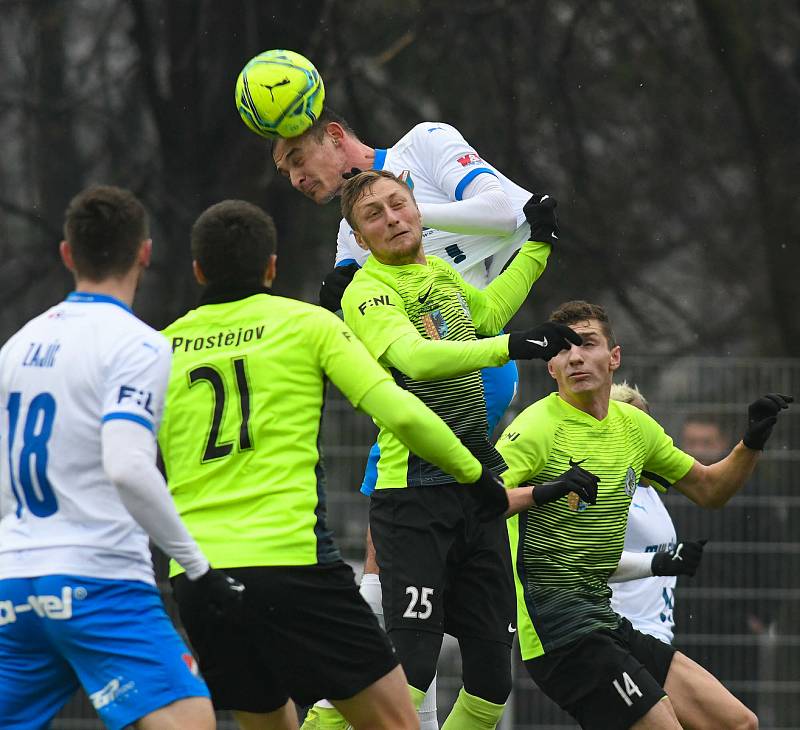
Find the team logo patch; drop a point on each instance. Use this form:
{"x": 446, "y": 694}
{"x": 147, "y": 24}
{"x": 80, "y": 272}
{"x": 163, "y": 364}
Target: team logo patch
{"x": 576, "y": 504}
{"x": 435, "y": 325}
{"x": 630, "y": 481}
{"x": 471, "y": 158}
{"x": 405, "y": 176}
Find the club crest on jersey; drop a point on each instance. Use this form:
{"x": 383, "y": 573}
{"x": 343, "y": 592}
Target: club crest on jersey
{"x": 630, "y": 481}
{"x": 405, "y": 176}
{"x": 435, "y": 325}
{"x": 576, "y": 504}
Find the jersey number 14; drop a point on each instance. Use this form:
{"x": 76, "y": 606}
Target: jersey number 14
{"x": 216, "y": 449}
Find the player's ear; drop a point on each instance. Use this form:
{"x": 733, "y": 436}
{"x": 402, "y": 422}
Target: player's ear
{"x": 335, "y": 131}
{"x": 271, "y": 271}
{"x": 616, "y": 358}
{"x": 66, "y": 255}
{"x": 145, "y": 252}
{"x": 199, "y": 276}
{"x": 550, "y": 369}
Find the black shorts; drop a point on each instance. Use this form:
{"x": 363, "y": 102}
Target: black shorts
{"x": 442, "y": 570}
{"x": 608, "y": 679}
{"x": 306, "y": 634}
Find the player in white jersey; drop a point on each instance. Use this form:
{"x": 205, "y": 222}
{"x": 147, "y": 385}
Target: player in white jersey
{"x": 81, "y": 390}
{"x": 648, "y": 602}
{"x": 473, "y": 218}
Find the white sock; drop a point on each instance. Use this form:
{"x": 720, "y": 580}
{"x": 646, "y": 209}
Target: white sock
{"x": 427, "y": 710}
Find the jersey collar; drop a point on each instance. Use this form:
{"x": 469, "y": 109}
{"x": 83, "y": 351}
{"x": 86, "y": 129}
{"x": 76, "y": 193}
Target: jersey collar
{"x": 380, "y": 159}
{"x": 82, "y": 297}
{"x": 216, "y": 294}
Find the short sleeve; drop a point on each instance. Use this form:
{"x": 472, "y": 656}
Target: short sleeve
{"x": 665, "y": 463}
{"x": 136, "y": 381}
{"x": 450, "y": 160}
{"x": 524, "y": 449}
{"x": 376, "y": 314}
{"x": 345, "y": 360}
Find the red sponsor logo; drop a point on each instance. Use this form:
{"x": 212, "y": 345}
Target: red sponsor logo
{"x": 190, "y": 663}
{"x": 471, "y": 158}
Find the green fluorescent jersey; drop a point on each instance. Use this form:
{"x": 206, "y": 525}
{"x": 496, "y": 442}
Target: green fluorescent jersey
{"x": 384, "y": 303}
{"x": 567, "y": 550}
{"x": 241, "y": 425}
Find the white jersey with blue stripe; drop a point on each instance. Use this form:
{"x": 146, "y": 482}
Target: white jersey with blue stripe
{"x": 441, "y": 164}
{"x": 648, "y": 602}
{"x": 85, "y": 361}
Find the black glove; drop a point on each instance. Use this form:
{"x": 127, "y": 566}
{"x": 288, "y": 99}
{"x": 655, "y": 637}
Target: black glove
{"x": 682, "y": 560}
{"x": 334, "y": 284}
{"x": 544, "y": 341}
{"x": 353, "y": 172}
{"x": 540, "y": 211}
{"x": 214, "y": 594}
{"x": 491, "y": 496}
{"x": 575, "y": 479}
{"x": 762, "y": 415}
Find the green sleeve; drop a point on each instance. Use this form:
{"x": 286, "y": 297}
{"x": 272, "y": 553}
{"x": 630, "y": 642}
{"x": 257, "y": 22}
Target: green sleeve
{"x": 524, "y": 448}
{"x": 420, "y": 430}
{"x": 665, "y": 463}
{"x": 376, "y": 313}
{"x": 345, "y": 360}
{"x": 423, "y": 359}
{"x": 495, "y": 305}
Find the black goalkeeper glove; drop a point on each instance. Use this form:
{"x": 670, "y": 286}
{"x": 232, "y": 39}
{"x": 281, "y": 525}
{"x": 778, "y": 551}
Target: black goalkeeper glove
{"x": 575, "y": 479}
{"x": 544, "y": 341}
{"x": 491, "y": 496}
{"x": 682, "y": 560}
{"x": 214, "y": 594}
{"x": 333, "y": 286}
{"x": 762, "y": 415}
{"x": 540, "y": 212}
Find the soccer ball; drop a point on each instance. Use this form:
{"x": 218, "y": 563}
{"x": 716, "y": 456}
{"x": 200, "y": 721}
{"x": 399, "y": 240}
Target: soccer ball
{"x": 279, "y": 94}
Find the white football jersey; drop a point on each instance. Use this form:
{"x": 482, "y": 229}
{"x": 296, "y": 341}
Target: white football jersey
{"x": 441, "y": 164}
{"x": 648, "y": 602}
{"x": 85, "y": 361}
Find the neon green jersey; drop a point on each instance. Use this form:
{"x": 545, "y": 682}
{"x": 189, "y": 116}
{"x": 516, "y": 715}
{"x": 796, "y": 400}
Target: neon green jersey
{"x": 566, "y": 551}
{"x": 383, "y": 303}
{"x": 241, "y": 425}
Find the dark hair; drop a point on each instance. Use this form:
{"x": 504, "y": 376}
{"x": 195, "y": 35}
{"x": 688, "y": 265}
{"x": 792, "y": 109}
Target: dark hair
{"x": 579, "y": 311}
{"x": 317, "y": 129}
{"x": 355, "y": 187}
{"x": 232, "y": 241}
{"x": 105, "y": 226}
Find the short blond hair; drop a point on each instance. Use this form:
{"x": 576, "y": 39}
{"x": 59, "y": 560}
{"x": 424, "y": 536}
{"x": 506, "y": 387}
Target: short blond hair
{"x": 629, "y": 394}
{"x": 359, "y": 185}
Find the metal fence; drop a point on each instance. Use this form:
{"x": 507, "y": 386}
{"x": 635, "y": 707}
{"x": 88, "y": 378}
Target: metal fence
{"x": 739, "y": 617}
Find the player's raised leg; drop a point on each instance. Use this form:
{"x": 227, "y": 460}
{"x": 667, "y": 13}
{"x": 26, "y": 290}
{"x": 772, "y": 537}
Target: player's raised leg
{"x": 701, "y": 701}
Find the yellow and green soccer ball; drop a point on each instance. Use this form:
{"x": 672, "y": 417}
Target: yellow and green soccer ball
{"x": 279, "y": 94}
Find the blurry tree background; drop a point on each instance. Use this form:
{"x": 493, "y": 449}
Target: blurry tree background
{"x": 666, "y": 129}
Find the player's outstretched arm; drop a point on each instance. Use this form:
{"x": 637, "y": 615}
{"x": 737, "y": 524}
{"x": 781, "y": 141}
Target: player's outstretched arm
{"x": 428, "y": 436}
{"x": 129, "y": 460}
{"x": 683, "y": 559}
{"x": 713, "y": 485}
{"x": 495, "y": 305}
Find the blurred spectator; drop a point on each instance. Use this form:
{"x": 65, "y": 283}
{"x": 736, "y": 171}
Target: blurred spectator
{"x": 702, "y": 436}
